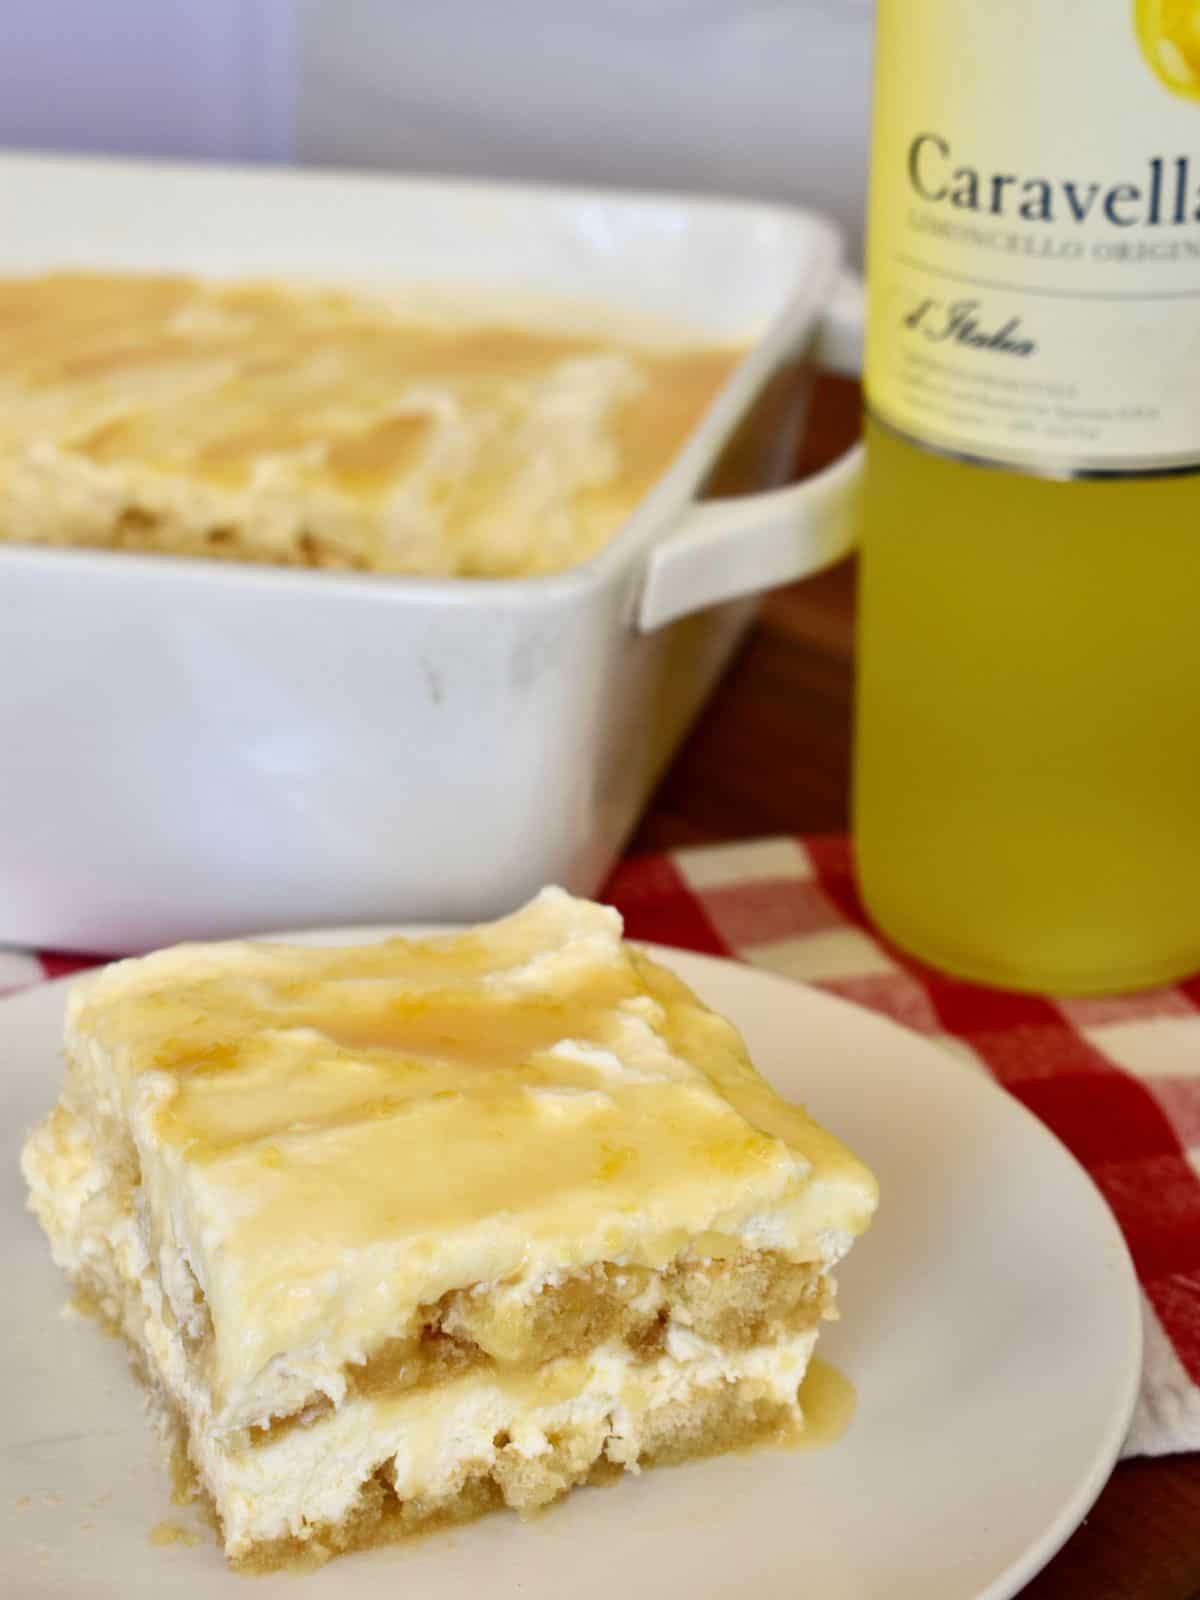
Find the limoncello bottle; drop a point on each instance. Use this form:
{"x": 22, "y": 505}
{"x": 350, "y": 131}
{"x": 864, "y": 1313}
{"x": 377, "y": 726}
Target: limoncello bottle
{"x": 1027, "y": 770}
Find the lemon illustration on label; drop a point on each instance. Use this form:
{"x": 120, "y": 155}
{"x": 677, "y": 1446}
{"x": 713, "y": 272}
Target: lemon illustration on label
{"x": 1169, "y": 34}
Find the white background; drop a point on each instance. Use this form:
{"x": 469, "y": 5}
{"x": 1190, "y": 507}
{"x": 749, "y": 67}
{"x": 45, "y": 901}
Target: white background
{"x": 763, "y": 97}
{"x": 207, "y": 78}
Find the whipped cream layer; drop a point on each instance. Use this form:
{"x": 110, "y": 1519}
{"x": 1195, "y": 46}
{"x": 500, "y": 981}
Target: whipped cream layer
{"x": 314, "y": 1475}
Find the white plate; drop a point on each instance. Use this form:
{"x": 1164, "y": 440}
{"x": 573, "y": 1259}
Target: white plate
{"x": 990, "y": 1323}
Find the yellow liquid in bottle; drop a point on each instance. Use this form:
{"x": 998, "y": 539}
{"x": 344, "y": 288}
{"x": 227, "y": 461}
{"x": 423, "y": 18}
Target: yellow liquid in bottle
{"x": 1027, "y": 785}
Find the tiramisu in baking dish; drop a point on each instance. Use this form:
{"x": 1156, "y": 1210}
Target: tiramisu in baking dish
{"x": 323, "y": 427}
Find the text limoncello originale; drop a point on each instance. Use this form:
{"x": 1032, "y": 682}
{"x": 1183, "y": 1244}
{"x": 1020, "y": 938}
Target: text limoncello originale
{"x": 1027, "y": 783}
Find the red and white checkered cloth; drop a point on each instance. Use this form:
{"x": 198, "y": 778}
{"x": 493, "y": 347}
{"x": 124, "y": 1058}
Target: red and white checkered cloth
{"x": 1117, "y": 1079}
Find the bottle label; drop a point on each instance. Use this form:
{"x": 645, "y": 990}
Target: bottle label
{"x": 1034, "y": 241}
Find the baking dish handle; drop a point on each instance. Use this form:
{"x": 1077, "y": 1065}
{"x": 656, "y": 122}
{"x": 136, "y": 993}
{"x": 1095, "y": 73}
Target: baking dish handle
{"x": 840, "y": 337}
{"x": 725, "y": 549}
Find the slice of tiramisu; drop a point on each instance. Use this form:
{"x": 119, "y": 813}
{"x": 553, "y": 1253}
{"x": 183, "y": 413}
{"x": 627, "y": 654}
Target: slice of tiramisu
{"x": 404, "y": 1231}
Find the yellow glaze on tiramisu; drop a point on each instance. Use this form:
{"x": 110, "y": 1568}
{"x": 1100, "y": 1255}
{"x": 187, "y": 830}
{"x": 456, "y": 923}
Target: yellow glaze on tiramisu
{"x": 406, "y": 1230}
{"x": 312, "y": 427}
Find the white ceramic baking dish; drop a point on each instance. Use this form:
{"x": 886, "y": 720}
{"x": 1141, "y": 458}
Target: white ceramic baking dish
{"x": 193, "y": 748}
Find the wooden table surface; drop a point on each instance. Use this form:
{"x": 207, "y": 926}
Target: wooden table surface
{"x": 771, "y": 754}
